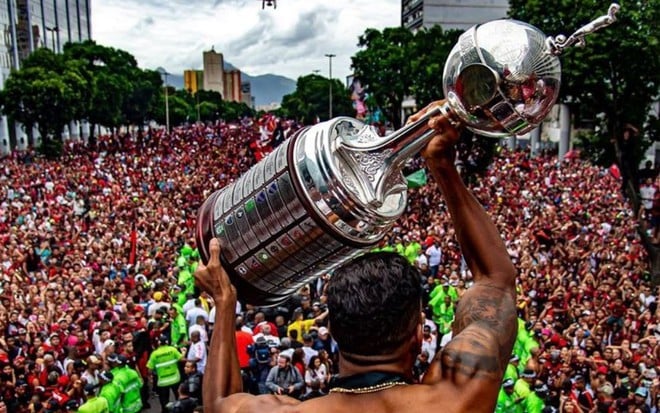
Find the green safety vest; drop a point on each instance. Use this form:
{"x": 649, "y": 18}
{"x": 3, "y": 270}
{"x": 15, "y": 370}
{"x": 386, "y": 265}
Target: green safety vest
{"x": 130, "y": 385}
{"x": 94, "y": 405}
{"x": 178, "y": 329}
{"x": 533, "y": 404}
{"x": 507, "y": 403}
{"x": 443, "y": 315}
{"x": 112, "y": 394}
{"x": 511, "y": 372}
{"x": 521, "y": 388}
{"x": 165, "y": 361}
{"x": 438, "y": 293}
{"x": 411, "y": 251}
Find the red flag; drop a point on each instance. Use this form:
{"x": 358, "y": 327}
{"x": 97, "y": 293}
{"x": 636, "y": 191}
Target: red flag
{"x": 131, "y": 257}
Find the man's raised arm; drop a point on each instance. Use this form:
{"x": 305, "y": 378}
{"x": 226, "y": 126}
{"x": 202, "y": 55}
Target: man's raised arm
{"x": 485, "y": 322}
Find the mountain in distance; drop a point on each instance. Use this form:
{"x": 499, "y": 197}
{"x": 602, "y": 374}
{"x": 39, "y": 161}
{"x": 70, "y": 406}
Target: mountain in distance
{"x": 266, "y": 89}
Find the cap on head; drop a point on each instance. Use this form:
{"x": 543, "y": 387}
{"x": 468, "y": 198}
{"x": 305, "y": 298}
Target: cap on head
{"x": 528, "y": 374}
{"x": 163, "y": 339}
{"x": 90, "y": 389}
{"x": 106, "y": 376}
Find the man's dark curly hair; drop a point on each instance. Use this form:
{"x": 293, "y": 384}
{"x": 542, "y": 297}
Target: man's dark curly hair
{"x": 374, "y": 303}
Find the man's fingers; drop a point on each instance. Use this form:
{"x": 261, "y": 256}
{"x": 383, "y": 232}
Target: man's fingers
{"x": 214, "y": 252}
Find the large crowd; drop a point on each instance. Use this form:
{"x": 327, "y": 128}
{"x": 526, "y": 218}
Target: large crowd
{"x": 98, "y": 307}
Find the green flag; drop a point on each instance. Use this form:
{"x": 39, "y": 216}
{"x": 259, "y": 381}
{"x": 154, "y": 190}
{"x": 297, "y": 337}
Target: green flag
{"x": 417, "y": 179}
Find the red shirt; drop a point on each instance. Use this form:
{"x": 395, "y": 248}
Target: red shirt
{"x": 243, "y": 340}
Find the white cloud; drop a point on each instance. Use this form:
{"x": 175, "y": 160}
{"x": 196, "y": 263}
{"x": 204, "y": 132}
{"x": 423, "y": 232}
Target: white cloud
{"x": 290, "y": 40}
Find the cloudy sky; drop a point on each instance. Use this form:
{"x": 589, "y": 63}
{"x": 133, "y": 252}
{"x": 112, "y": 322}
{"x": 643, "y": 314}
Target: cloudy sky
{"x": 290, "y": 41}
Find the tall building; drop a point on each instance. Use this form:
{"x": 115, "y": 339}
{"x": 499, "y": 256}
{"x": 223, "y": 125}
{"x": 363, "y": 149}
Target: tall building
{"x": 450, "y": 14}
{"x": 193, "y": 80}
{"x": 232, "y": 86}
{"x": 31, "y": 24}
{"x": 214, "y": 78}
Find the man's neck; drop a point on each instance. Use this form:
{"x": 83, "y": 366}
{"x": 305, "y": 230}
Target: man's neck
{"x": 392, "y": 363}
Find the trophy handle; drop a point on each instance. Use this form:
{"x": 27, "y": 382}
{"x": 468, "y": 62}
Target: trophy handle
{"x": 377, "y": 161}
{"x": 557, "y": 44}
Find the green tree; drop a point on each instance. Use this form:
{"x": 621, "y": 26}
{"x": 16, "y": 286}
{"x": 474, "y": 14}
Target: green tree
{"x": 430, "y": 48}
{"x": 46, "y": 92}
{"x": 146, "y": 85}
{"x": 384, "y": 67}
{"x": 118, "y": 91}
{"x": 311, "y": 99}
{"x": 232, "y": 111}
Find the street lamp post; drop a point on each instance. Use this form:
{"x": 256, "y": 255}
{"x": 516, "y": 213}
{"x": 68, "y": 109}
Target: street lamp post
{"x": 52, "y": 31}
{"x": 167, "y": 103}
{"x": 330, "y": 56}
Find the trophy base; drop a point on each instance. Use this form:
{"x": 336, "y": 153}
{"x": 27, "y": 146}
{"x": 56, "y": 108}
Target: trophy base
{"x": 245, "y": 291}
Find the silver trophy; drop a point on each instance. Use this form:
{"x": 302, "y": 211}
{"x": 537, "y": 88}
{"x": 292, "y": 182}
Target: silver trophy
{"x": 333, "y": 190}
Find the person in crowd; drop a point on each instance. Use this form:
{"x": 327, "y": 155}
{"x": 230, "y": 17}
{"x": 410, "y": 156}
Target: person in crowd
{"x": 128, "y": 381}
{"x": 284, "y": 378}
{"x": 94, "y": 403}
{"x": 110, "y": 391}
{"x": 185, "y": 403}
{"x": 193, "y": 379}
{"x": 164, "y": 362}
{"x": 316, "y": 371}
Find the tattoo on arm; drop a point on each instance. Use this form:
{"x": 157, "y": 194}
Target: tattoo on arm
{"x": 485, "y": 330}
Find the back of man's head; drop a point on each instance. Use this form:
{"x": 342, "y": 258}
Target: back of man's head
{"x": 375, "y": 298}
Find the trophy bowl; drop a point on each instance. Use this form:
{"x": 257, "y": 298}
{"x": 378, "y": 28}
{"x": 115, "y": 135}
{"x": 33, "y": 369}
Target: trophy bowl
{"x": 500, "y": 78}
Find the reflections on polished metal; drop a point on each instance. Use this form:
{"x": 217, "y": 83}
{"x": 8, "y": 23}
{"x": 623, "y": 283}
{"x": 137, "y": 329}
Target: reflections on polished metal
{"x": 503, "y": 77}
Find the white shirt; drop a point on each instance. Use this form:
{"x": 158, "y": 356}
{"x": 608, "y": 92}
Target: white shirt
{"x": 434, "y": 254}
{"x": 647, "y": 192}
{"x": 446, "y": 339}
{"x": 198, "y": 351}
{"x": 193, "y": 313}
{"x": 309, "y": 353}
{"x": 190, "y": 304}
{"x": 430, "y": 346}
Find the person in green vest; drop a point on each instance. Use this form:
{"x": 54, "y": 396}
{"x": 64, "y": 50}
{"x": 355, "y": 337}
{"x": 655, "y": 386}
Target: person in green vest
{"x": 178, "y": 326}
{"x": 507, "y": 399}
{"x": 534, "y": 402}
{"x": 441, "y": 290}
{"x": 521, "y": 338}
{"x": 129, "y": 382}
{"x": 443, "y": 315}
{"x": 110, "y": 392}
{"x": 412, "y": 249}
{"x": 511, "y": 371}
{"x": 164, "y": 361}
{"x": 523, "y": 386}
{"x": 94, "y": 403}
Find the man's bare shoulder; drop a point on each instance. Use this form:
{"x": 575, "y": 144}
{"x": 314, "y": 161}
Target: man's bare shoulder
{"x": 248, "y": 403}
{"x": 409, "y": 399}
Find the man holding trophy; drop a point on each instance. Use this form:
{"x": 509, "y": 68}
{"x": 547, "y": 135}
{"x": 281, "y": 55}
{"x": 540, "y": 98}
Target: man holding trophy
{"x": 468, "y": 372}
{"x": 332, "y": 191}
